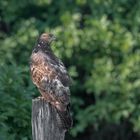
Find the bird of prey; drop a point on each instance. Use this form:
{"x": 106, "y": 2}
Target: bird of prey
{"x": 51, "y": 78}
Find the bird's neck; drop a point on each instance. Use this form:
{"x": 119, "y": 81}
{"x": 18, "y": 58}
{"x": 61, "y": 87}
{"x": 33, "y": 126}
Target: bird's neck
{"x": 42, "y": 46}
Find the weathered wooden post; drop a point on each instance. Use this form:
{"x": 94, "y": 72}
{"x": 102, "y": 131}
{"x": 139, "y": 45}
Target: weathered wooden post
{"x": 44, "y": 123}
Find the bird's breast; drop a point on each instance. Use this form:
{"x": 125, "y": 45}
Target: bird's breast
{"x": 37, "y": 58}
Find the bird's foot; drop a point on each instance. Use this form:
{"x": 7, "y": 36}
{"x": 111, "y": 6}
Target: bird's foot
{"x": 40, "y": 98}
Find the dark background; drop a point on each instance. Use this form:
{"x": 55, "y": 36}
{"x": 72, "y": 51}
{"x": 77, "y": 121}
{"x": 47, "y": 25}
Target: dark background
{"x": 99, "y": 42}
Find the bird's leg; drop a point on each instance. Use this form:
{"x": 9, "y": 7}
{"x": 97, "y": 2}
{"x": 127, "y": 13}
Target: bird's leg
{"x": 44, "y": 96}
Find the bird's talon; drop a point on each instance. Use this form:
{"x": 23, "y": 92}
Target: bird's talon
{"x": 40, "y": 97}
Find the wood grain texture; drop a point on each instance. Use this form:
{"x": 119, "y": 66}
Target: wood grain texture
{"x": 44, "y": 121}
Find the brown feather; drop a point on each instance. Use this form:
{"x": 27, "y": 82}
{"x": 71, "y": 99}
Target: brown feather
{"x": 50, "y": 76}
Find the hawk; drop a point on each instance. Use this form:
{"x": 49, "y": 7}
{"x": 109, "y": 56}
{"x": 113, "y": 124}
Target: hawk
{"x": 51, "y": 78}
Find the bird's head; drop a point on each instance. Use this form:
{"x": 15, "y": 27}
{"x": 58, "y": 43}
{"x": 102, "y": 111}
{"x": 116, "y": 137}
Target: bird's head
{"x": 47, "y": 38}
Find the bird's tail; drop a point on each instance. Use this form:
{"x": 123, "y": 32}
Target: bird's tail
{"x": 64, "y": 118}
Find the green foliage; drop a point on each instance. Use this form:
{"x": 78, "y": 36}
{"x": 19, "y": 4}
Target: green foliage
{"x": 15, "y": 103}
{"x": 99, "y": 43}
